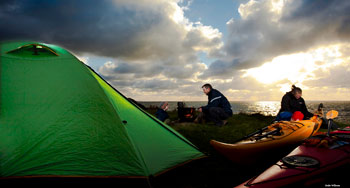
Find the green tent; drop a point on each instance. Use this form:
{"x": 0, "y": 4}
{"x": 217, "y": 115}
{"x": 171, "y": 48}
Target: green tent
{"x": 59, "y": 118}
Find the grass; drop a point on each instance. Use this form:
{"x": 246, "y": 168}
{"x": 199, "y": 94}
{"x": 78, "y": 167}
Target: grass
{"x": 215, "y": 170}
{"x": 238, "y": 126}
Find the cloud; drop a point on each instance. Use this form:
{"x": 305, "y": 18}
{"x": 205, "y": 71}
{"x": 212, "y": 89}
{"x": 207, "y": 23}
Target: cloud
{"x": 150, "y": 41}
{"x": 322, "y": 73}
{"x": 333, "y": 76}
{"x": 131, "y": 30}
{"x": 152, "y": 48}
{"x": 271, "y": 28}
{"x": 149, "y": 69}
{"x": 101, "y": 28}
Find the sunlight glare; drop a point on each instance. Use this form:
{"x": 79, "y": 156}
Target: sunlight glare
{"x": 277, "y": 6}
{"x": 292, "y": 67}
{"x": 296, "y": 68}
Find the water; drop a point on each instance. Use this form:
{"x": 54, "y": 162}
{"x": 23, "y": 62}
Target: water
{"x": 270, "y": 107}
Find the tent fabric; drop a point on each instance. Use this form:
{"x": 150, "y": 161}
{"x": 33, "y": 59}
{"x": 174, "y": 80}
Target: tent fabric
{"x": 59, "y": 117}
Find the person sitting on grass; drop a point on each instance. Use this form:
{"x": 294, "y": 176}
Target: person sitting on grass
{"x": 292, "y": 102}
{"x": 161, "y": 113}
{"x": 218, "y": 109}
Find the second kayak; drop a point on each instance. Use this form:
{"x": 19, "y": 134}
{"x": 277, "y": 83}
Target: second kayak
{"x": 307, "y": 163}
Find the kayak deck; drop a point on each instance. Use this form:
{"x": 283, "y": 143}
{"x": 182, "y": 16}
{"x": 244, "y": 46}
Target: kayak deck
{"x": 307, "y": 161}
{"x": 272, "y": 137}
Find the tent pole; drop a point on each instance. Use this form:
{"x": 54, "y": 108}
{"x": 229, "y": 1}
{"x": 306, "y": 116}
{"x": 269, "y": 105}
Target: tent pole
{"x": 150, "y": 180}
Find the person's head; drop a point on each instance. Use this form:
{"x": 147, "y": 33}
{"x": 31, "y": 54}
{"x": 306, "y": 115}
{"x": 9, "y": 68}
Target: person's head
{"x": 296, "y": 91}
{"x": 164, "y": 105}
{"x": 207, "y": 88}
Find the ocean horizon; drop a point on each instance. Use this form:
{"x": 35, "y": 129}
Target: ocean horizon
{"x": 268, "y": 108}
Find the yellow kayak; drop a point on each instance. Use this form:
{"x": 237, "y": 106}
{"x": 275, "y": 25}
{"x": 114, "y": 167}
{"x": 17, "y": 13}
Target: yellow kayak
{"x": 274, "y": 136}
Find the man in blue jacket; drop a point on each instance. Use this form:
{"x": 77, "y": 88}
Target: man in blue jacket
{"x": 218, "y": 109}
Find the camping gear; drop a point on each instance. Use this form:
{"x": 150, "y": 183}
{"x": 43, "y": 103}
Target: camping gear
{"x": 307, "y": 164}
{"x": 284, "y": 116}
{"x": 59, "y": 118}
{"x": 256, "y": 145}
{"x": 185, "y": 114}
{"x": 297, "y": 116}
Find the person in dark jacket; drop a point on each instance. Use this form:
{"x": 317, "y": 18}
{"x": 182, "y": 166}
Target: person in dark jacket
{"x": 292, "y": 102}
{"x": 218, "y": 109}
{"x": 161, "y": 113}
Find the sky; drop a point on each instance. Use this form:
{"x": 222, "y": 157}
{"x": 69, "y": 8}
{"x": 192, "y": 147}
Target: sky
{"x": 165, "y": 50}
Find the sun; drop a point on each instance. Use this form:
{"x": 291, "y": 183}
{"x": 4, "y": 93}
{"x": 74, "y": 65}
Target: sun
{"x": 296, "y": 68}
{"x": 291, "y": 67}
